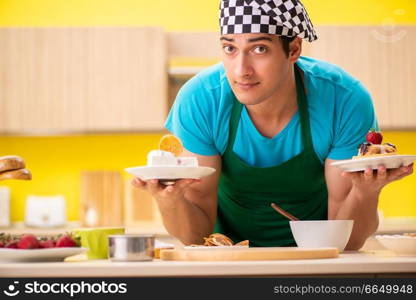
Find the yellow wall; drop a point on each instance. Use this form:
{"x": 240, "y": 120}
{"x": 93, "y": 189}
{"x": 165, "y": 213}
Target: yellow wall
{"x": 56, "y": 162}
{"x": 399, "y": 197}
{"x": 187, "y": 15}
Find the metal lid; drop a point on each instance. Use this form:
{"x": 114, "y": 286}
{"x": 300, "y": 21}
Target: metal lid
{"x": 132, "y": 235}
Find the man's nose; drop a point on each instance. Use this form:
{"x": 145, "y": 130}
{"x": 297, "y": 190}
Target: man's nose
{"x": 243, "y": 66}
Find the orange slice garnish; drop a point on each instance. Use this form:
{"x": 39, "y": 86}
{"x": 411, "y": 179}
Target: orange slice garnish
{"x": 171, "y": 143}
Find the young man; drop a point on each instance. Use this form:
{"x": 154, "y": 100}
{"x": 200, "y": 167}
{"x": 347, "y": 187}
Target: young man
{"x": 270, "y": 122}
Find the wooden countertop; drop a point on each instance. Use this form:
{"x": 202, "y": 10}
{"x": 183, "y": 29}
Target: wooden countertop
{"x": 368, "y": 263}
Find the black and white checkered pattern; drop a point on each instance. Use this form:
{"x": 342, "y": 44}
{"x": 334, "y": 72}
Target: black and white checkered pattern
{"x": 282, "y": 17}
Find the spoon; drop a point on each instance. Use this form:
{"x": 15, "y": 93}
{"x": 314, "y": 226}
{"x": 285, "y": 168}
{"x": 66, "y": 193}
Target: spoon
{"x": 283, "y": 212}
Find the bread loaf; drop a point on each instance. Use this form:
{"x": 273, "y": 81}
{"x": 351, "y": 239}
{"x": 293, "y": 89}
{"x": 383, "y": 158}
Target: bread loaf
{"x": 11, "y": 162}
{"x": 21, "y": 174}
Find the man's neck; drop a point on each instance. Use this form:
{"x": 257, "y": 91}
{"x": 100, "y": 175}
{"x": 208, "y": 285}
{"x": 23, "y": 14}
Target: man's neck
{"x": 280, "y": 106}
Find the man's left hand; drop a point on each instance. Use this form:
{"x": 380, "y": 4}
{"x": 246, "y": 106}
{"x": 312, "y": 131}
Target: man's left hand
{"x": 374, "y": 180}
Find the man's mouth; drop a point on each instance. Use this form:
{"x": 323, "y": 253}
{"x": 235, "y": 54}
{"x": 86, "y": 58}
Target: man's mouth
{"x": 246, "y": 85}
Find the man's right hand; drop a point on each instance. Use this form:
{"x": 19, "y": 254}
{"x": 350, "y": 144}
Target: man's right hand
{"x": 189, "y": 207}
{"x": 163, "y": 192}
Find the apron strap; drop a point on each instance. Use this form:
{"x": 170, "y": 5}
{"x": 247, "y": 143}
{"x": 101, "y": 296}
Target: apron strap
{"x": 303, "y": 110}
{"x": 235, "y": 118}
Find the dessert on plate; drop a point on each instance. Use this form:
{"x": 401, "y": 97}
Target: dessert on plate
{"x": 373, "y": 147}
{"x": 170, "y": 147}
{"x": 169, "y": 163}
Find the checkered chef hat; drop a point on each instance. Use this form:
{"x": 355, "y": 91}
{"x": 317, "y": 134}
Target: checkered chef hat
{"x": 282, "y": 17}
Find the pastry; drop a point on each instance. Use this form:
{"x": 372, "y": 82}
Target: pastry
{"x": 20, "y": 174}
{"x": 373, "y": 146}
{"x": 11, "y": 162}
{"x": 218, "y": 239}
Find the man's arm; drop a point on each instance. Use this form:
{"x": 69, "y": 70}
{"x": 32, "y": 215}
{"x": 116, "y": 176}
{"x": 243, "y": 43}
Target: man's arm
{"x": 188, "y": 208}
{"x": 354, "y": 196}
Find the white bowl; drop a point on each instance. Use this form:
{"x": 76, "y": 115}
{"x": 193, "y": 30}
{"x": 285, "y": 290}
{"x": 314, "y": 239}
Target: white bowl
{"x": 322, "y": 233}
{"x": 400, "y": 244}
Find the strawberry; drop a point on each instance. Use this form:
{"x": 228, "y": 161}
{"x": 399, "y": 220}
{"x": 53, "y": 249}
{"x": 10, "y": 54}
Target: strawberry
{"x": 1, "y": 245}
{"x": 47, "y": 244}
{"x": 12, "y": 245}
{"x": 28, "y": 241}
{"x": 374, "y": 137}
{"x": 66, "y": 241}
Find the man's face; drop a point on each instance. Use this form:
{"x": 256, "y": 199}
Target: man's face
{"x": 256, "y": 65}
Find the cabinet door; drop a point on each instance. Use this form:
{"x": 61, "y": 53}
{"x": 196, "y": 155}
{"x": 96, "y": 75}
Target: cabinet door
{"x": 42, "y": 81}
{"x": 383, "y": 59}
{"x": 101, "y": 198}
{"x": 127, "y": 79}
{"x": 82, "y": 79}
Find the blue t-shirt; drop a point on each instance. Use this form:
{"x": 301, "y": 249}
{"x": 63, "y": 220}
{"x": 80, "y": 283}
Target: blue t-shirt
{"x": 340, "y": 110}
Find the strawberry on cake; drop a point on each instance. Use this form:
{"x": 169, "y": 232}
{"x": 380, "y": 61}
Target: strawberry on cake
{"x": 373, "y": 146}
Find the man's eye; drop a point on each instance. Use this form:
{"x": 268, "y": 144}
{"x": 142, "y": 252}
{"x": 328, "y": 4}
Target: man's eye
{"x": 228, "y": 49}
{"x": 260, "y": 49}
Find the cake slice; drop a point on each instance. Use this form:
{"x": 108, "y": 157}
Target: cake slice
{"x": 159, "y": 158}
{"x": 170, "y": 147}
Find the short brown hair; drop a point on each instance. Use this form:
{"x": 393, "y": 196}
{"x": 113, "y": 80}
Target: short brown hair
{"x": 285, "y": 43}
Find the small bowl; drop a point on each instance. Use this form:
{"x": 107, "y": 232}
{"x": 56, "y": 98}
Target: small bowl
{"x": 131, "y": 247}
{"x": 322, "y": 233}
{"x": 402, "y": 245}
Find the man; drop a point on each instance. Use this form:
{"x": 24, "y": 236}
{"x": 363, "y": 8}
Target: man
{"x": 270, "y": 122}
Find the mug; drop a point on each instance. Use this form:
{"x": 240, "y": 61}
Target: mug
{"x": 96, "y": 240}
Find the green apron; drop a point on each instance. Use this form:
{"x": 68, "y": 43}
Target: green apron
{"x": 246, "y": 192}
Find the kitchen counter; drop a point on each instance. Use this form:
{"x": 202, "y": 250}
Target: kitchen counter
{"x": 373, "y": 260}
{"x": 362, "y": 264}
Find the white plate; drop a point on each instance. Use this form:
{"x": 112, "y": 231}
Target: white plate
{"x": 400, "y": 244}
{"x": 215, "y": 247}
{"x": 47, "y": 254}
{"x": 360, "y": 164}
{"x": 170, "y": 172}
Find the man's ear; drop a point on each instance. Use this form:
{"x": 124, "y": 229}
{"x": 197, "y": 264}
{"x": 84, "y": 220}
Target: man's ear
{"x": 295, "y": 49}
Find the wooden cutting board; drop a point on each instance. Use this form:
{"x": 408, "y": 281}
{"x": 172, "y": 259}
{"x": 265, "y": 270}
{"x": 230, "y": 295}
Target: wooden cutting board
{"x": 263, "y": 253}
{"x": 102, "y": 192}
